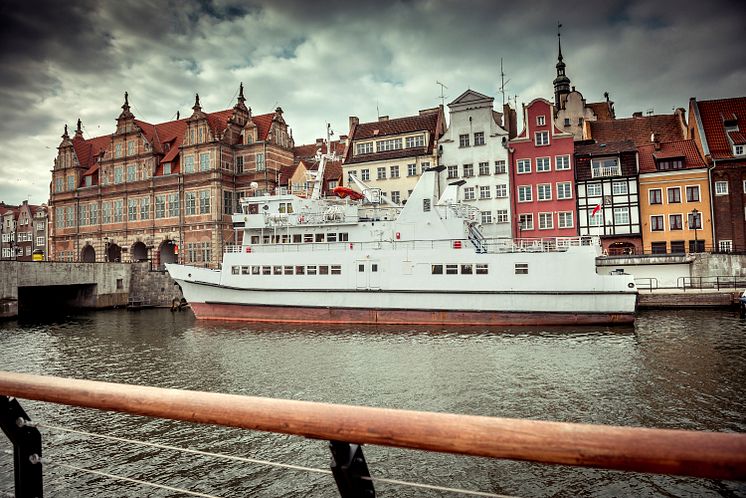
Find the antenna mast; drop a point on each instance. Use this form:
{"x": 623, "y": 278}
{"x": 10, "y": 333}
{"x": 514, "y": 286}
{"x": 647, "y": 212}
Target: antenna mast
{"x": 502, "y": 81}
{"x": 442, "y": 95}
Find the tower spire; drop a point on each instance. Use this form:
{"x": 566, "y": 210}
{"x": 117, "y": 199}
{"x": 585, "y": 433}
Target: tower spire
{"x": 561, "y": 82}
{"x": 241, "y": 98}
{"x": 126, "y": 113}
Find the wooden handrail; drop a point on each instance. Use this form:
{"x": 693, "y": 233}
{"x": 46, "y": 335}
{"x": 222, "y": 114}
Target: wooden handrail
{"x": 699, "y": 454}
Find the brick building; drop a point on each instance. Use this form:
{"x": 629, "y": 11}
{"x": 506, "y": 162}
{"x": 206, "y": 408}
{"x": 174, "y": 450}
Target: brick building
{"x": 718, "y": 128}
{"x": 163, "y": 192}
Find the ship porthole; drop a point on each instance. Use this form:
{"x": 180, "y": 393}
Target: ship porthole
{"x": 630, "y": 285}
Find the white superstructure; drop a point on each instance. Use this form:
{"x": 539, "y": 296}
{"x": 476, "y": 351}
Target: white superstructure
{"x": 345, "y": 261}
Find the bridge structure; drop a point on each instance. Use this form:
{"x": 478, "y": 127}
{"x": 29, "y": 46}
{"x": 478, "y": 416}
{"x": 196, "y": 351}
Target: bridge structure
{"x": 45, "y": 285}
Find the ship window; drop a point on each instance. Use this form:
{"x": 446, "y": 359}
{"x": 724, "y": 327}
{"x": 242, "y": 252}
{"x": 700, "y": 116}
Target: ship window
{"x": 288, "y": 270}
{"x": 265, "y": 239}
{"x": 374, "y": 267}
{"x": 344, "y": 237}
{"x": 451, "y": 269}
{"x": 244, "y": 270}
{"x": 285, "y": 238}
{"x": 254, "y": 239}
{"x": 331, "y": 237}
{"x": 311, "y": 270}
{"x": 481, "y": 269}
{"x": 300, "y": 270}
{"x": 297, "y": 238}
{"x": 323, "y": 270}
{"x": 336, "y": 269}
{"x": 437, "y": 269}
{"x": 234, "y": 270}
{"x": 425, "y": 205}
{"x": 266, "y": 270}
{"x": 361, "y": 268}
{"x": 319, "y": 237}
{"x": 467, "y": 269}
{"x": 521, "y": 268}
{"x": 307, "y": 237}
{"x": 255, "y": 270}
{"x": 253, "y": 208}
{"x": 277, "y": 270}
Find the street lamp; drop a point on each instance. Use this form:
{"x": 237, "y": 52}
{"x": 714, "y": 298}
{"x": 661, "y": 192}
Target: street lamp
{"x": 695, "y": 222}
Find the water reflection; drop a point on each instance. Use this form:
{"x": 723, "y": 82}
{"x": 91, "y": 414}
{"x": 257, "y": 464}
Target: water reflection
{"x": 671, "y": 369}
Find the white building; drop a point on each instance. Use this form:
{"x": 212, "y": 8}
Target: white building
{"x": 474, "y": 148}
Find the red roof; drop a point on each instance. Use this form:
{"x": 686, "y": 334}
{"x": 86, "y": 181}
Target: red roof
{"x": 685, "y": 149}
{"x": 666, "y": 127}
{"x": 89, "y": 150}
{"x": 603, "y": 110}
{"x": 713, "y": 113}
{"x": 308, "y": 152}
{"x": 737, "y": 137}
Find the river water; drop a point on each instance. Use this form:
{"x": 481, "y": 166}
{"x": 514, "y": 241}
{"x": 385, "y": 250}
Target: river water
{"x": 672, "y": 369}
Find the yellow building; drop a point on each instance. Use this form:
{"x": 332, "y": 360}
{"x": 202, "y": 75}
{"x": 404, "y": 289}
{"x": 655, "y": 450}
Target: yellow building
{"x": 391, "y": 154}
{"x": 674, "y": 198}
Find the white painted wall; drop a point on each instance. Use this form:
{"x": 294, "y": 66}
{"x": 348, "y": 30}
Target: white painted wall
{"x": 471, "y": 113}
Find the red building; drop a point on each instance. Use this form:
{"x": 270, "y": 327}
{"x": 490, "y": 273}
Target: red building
{"x": 542, "y": 177}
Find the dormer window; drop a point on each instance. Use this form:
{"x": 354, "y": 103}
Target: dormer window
{"x": 739, "y": 150}
{"x": 667, "y": 164}
{"x": 541, "y": 120}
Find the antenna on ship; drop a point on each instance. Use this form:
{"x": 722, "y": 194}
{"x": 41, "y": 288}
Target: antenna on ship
{"x": 323, "y": 157}
{"x": 442, "y": 95}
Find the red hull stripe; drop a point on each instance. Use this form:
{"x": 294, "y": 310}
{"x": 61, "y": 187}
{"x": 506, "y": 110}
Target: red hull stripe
{"x": 276, "y": 314}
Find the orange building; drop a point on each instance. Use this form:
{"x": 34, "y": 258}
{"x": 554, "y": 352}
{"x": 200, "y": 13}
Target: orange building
{"x": 674, "y": 198}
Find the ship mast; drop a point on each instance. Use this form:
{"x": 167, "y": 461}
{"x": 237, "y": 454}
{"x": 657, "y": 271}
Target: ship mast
{"x": 322, "y": 157}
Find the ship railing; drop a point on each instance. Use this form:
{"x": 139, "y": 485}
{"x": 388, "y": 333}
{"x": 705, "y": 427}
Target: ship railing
{"x": 489, "y": 245}
{"x": 709, "y": 455}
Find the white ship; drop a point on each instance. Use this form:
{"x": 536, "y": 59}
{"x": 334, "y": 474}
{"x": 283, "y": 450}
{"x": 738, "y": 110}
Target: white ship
{"x": 367, "y": 261}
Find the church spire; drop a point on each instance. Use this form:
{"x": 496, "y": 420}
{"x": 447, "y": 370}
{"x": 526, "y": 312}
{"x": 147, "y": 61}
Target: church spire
{"x": 561, "y": 82}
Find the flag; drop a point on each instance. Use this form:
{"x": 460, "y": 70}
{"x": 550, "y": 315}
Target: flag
{"x": 596, "y": 209}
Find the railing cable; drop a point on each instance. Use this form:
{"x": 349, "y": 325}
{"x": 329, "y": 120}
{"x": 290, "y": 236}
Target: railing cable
{"x": 267, "y": 462}
{"x": 129, "y": 479}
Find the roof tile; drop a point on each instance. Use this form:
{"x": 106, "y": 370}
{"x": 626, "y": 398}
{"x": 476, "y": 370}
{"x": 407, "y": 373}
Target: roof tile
{"x": 686, "y": 149}
{"x": 638, "y": 129}
{"x": 713, "y": 112}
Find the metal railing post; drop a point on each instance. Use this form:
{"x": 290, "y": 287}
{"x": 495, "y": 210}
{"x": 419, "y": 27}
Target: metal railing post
{"x": 26, "y": 441}
{"x": 349, "y": 467}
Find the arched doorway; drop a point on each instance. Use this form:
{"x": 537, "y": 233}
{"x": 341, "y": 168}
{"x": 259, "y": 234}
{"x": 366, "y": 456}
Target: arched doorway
{"x": 88, "y": 254}
{"x": 139, "y": 252}
{"x": 114, "y": 253}
{"x": 621, "y": 248}
{"x": 167, "y": 252}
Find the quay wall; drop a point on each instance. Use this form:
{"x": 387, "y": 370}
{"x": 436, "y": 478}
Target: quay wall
{"x": 152, "y": 288}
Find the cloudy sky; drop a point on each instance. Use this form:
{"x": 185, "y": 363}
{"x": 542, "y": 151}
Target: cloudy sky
{"x": 64, "y": 60}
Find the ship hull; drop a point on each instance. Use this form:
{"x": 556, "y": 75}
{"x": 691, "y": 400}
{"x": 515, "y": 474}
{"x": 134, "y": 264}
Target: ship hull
{"x": 329, "y": 315}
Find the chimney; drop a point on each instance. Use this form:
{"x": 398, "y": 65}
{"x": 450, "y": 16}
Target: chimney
{"x": 637, "y": 114}
{"x": 319, "y": 141}
{"x": 655, "y": 140}
{"x": 343, "y": 139}
{"x": 354, "y": 121}
{"x": 383, "y": 118}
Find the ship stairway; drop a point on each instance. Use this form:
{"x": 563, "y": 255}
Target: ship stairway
{"x": 477, "y": 239}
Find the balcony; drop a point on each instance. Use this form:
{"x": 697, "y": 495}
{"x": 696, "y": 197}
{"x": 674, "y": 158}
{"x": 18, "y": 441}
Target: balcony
{"x": 604, "y": 168}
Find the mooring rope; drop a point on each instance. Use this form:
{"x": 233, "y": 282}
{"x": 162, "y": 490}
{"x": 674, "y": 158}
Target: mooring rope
{"x": 255, "y": 461}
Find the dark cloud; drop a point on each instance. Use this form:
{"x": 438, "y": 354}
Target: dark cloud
{"x": 64, "y": 60}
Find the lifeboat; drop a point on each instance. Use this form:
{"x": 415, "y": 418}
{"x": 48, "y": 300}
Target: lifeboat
{"x": 343, "y": 192}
